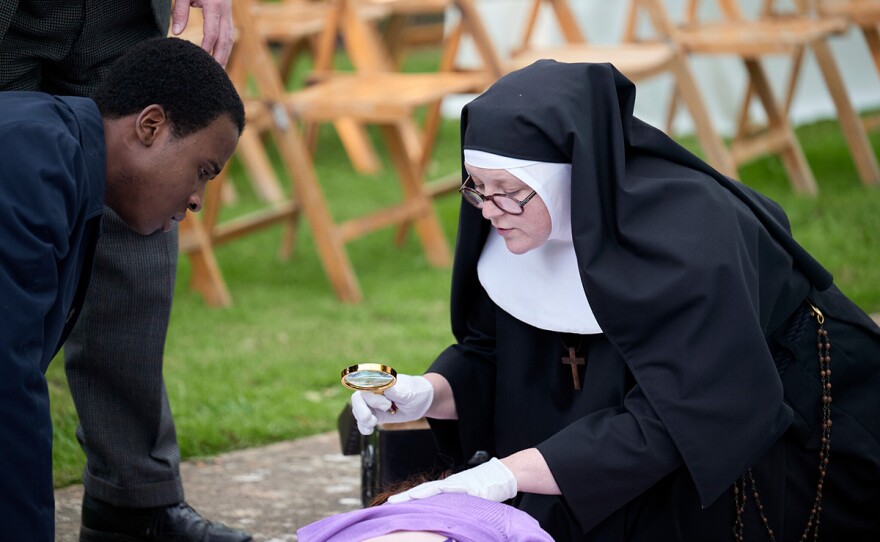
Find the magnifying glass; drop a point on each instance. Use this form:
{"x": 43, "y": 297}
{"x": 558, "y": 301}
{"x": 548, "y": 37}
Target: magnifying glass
{"x": 372, "y": 377}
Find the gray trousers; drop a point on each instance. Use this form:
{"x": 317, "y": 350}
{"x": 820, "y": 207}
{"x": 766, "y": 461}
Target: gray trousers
{"x": 113, "y": 358}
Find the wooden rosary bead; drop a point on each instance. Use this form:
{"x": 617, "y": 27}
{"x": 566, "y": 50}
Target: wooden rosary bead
{"x": 823, "y": 345}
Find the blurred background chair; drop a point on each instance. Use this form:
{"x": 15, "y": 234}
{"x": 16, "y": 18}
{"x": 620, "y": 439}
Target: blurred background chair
{"x": 753, "y": 40}
{"x": 637, "y": 57}
{"x": 385, "y": 99}
{"x": 375, "y": 36}
{"x": 200, "y": 234}
{"x": 861, "y": 15}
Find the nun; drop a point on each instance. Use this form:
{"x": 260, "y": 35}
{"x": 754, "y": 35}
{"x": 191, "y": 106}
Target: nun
{"x": 642, "y": 348}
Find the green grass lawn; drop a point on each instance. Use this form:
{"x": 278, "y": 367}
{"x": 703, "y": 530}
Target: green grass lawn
{"x": 267, "y": 368}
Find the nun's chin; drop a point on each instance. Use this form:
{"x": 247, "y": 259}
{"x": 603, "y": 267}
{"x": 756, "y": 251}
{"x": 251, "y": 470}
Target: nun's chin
{"x": 520, "y": 246}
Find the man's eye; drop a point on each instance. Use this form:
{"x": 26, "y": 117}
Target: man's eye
{"x": 203, "y": 172}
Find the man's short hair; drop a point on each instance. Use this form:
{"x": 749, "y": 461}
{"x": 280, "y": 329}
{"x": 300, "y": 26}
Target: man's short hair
{"x": 176, "y": 74}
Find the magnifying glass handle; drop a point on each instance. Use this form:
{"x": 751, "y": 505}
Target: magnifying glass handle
{"x": 393, "y": 409}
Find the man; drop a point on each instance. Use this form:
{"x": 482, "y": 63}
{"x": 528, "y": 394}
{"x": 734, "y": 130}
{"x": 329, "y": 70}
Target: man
{"x": 113, "y": 357}
{"x": 161, "y": 125}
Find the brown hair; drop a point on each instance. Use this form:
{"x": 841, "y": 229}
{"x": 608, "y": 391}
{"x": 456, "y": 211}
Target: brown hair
{"x": 400, "y": 487}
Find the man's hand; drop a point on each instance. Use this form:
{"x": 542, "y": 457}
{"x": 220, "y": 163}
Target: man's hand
{"x": 218, "y": 33}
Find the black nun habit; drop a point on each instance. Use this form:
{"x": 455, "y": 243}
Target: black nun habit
{"x": 707, "y": 364}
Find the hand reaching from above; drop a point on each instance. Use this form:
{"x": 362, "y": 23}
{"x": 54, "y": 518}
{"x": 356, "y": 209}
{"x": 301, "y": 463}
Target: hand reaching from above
{"x": 218, "y": 33}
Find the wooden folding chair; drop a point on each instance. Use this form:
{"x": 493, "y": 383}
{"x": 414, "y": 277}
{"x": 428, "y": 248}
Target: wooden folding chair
{"x": 399, "y": 32}
{"x": 296, "y": 28}
{"x": 270, "y": 111}
{"x": 199, "y": 234}
{"x": 292, "y": 27}
{"x": 383, "y": 99}
{"x": 863, "y": 15}
{"x": 752, "y": 40}
{"x": 372, "y": 49}
{"x": 412, "y": 24}
{"x": 638, "y": 60}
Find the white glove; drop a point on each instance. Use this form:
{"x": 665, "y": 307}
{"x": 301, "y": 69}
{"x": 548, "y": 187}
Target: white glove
{"x": 492, "y": 480}
{"x": 411, "y": 395}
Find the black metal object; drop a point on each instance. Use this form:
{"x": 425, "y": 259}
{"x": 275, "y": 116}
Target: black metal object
{"x": 389, "y": 455}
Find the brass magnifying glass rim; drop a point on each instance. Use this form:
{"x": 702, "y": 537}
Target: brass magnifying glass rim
{"x": 379, "y": 367}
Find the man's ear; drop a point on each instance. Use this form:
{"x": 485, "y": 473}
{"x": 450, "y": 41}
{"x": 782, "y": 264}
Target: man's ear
{"x": 150, "y": 123}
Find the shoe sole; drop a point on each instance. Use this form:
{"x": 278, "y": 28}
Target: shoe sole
{"x": 89, "y": 535}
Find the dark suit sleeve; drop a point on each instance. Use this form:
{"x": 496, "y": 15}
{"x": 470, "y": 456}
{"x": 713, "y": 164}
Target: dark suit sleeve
{"x": 36, "y": 199}
{"x": 37, "y": 204}
{"x": 7, "y": 10}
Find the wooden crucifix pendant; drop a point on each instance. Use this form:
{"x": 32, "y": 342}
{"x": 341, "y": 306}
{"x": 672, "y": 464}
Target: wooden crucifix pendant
{"x": 574, "y": 361}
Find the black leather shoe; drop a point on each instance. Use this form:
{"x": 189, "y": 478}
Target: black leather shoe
{"x": 103, "y": 522}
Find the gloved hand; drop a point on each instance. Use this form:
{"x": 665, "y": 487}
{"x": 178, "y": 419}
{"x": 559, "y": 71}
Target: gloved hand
{"x": 491, "y": 480}
{"x": 412, "y": 397}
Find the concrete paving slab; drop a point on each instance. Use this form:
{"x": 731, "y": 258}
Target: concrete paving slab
{"x": 269, "y": 492}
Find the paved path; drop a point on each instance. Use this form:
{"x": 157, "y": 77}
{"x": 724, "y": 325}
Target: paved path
{"x": 268, "y": 492}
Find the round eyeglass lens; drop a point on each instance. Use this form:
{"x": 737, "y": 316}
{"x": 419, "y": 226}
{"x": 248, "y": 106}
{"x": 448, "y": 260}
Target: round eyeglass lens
{"x": 507, "y": 205}
{"x": 472, "y": 197}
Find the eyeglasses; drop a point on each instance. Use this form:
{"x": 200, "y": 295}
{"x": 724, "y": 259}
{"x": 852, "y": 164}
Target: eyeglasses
{"x": 505, "y": 202}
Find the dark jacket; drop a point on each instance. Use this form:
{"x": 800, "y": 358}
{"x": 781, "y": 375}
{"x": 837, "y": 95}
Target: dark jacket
{"x": 161, "y": 11}
{"x": 52, "y": 178}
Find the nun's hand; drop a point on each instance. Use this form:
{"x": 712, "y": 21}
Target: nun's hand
{"x": 410, "y": 397}
{"x": 491, "y": 480}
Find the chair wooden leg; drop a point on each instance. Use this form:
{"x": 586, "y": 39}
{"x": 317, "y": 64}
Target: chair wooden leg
{"x": 432, "y": 126}
{"x": 206, "y": 276}
{"x": 214, "y": 198}
{"x": 358, "y": 147}
{"x": 672, "y": 109}
{"x": 850, "y": 123}
{"x": 288, "y": 237}
{"x": 797, "y": 62}
{"x": 799, "y": 173}
{"x": 260, "y": 171}
{"x": 716, "y": 153}
{"x": 288, "y": 55}
{"x": 743, "y": 126}
{"x": 291, "y": 226}
{"x": 330, "y": 245}
{"x": 428, "y": 226}
{"x": 872, "y": 37}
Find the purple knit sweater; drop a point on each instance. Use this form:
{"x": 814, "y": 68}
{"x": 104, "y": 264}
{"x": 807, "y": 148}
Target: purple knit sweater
{"x": 458, "y": 516}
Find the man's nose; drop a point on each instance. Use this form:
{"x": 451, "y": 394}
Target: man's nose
{"x": 195, "y": 203}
